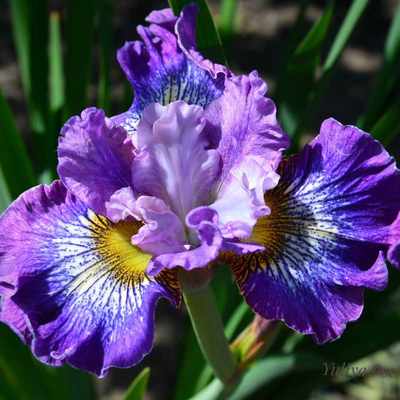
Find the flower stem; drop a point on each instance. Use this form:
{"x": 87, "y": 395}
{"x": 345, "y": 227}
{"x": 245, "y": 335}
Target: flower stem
{"x": 209, "y": 329}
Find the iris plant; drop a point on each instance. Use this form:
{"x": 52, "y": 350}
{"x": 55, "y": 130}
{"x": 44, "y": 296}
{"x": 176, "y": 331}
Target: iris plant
{"x": 192, "y": 175}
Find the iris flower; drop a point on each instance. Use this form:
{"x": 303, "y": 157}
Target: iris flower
{"x": 191, "y": 175}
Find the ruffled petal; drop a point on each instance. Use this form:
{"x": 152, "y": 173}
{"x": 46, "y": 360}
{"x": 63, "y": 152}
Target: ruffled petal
{"x": 241, "y": 202}
{"x": 248, "y": 124}
{"x": 81, "y": 284}
{"x": 15, "y": 318}
{"x": 173, "y": 162}
{"x": 162, "y": 231}
{"x": 329, "y": 224}
{"x": 164, "y": 18}
{"x": 186, "y": 33}
{"x": 161, "y": 72}
{"x": 203, "y": 224}
{"x": 121, "y": 205}
{"x": 394, "y": 250}
{"x": 94, "y": 158}
{"x": 207, "y": 242}
{"x": 251, "y": 145}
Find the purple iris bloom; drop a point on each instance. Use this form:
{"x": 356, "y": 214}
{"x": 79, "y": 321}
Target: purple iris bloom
{"x": 174, "y": 181}
{"x": 190, "y": 174}
{"x": 330, "y": 227}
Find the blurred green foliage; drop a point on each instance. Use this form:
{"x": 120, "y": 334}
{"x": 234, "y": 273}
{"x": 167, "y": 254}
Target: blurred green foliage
{"x": 55, "y": 55}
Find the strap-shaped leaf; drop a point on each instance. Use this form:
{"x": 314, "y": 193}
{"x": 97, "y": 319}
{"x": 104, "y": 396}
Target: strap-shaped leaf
{"x": 138, "y": 387}
{"x": 388, "y": 77}
{"x": 30, "y": 28}
{"x": 388, "y": 125}
{"x": 56, "y": 69}
{"x": 22, "y": 377}
{"x": 14, "y": 162}
{"x": 298, "y": 79}
{"x": 106, "y": 53}
{"x": 227, "y": 18}
{"x": 79, "y": 46}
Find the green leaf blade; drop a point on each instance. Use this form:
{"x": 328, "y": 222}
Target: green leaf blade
{"x": 353, "y": 16}
{"x": 388, "y": 77}
{"x": 227, "y": 18}
{"x": 298, "y": 79}
{"x": 30, "y": 26}
{"x": 14, "y": 162}
{"x": 138, "y": 387}
{"x": 106, "y": 54}
{"x": 57, "y": 95}
{"x": 388, "y": 126}
{"x": 79, "y": 44}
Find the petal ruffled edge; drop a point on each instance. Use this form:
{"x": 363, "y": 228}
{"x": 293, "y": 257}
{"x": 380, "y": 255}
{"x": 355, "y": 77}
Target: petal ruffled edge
{"x": 74, "y": 304}
{"x": 161, "y": 70}
{"x": 332, "y": 209}
{"x": 394, "y": 249}
{"x": 207, "y": 244}
{"x": 94, "y": 158}
{"x": 174, "y": 161}
{"x": 185, "y": 30}
{"x": 251, "y": 145}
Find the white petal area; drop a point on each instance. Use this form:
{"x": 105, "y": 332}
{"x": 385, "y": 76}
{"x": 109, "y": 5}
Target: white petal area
{"x": 174, "y": 162}
{"x": 241, "y": 202}
{"x": 162, "y": 231}
{"x": 121, "y": 205}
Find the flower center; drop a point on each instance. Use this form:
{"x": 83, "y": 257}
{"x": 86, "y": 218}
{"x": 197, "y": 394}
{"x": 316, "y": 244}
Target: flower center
{"x": 113, "y": 242}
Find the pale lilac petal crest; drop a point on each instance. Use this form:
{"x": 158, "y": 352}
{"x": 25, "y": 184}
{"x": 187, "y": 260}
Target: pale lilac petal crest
{"x": 203, "y": 223}
{"x": 248, "y": 124}
{"x": 94, "y": 158}
{"x": 326, "y": 235}
{"x": 164, "y": 17}
{"x": 173, "y": 161}
{"x": 251, "y": 145}
{"x": 240, "y": 203}
{"x": 81, "y": 285}
{"x": 206, "y": 243}
{"x": 121, "y": 205}
{"x": 162, "y": 232}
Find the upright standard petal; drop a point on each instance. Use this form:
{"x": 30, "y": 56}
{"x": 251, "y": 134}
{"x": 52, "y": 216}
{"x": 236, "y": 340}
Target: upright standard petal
{"x": 161, "y": 72}
{"x": 94, "y": 158}
{"x": 251, "y": 145}
{"x": 186, "y": 33}
{"x": 173, "y": 162}
{"x": 329, "y": 223}
{"x": 81, "y": 285}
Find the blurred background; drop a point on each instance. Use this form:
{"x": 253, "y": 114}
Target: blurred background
{"x": 319, "y": 58}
